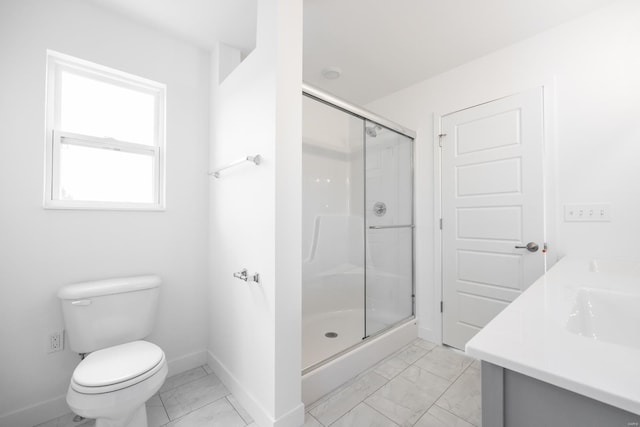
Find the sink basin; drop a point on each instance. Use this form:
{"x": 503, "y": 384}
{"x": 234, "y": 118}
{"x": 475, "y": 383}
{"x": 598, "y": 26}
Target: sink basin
{"x": 607, "y": 316}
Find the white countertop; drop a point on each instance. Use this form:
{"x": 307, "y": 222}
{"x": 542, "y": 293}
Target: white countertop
{"x": 533, "y": 334}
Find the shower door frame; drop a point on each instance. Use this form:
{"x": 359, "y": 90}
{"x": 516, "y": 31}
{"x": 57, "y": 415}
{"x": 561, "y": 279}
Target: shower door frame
{"x": 348, "y": 108}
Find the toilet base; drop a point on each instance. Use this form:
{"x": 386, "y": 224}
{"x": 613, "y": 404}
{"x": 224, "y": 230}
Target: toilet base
{"x": 120, "y": 408}
{"x": 137, "y": 419}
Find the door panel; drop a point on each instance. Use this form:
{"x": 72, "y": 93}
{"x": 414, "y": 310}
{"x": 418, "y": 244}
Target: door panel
{"x": 484, "y": 179}
{"x": 494, "y": 269}
{"x": 492, "y": 201}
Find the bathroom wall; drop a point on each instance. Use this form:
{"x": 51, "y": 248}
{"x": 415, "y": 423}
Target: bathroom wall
{"x": 591, "y": 67}
{"x": 42, "y": 250}
{"x": 254, "y": 340}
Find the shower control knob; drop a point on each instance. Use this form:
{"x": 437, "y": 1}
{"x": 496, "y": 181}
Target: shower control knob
{"x": 531, "y": 247}
{"x": 379, "y": 209}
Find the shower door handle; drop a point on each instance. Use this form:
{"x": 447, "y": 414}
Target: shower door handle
{"x": 380, "y": 227}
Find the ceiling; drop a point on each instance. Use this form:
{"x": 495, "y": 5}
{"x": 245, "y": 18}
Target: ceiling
{"x": 386, "y": 45}
{"x": 381, "y": 46}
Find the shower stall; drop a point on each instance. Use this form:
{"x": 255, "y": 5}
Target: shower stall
{"x": 357, "y": 228}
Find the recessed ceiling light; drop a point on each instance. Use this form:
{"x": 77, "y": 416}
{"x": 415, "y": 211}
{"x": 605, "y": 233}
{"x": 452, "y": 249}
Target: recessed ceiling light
{"x": 331, "y": 73}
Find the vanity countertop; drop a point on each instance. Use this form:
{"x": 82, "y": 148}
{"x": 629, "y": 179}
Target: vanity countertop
{"x": 577, "y": 327}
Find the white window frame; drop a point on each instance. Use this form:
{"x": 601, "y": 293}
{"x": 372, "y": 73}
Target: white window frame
{"x": 55, "y": 137}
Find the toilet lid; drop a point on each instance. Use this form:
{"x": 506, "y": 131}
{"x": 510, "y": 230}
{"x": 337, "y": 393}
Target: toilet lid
{"x": 117, "y": 364}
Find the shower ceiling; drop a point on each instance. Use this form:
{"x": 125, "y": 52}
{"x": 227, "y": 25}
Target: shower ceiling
{"x": 381, "y": 46}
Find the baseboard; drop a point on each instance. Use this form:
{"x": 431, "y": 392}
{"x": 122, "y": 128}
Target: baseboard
{"x": 56, "y": 407}
{"x": 293, "y": 418}
{"x": 37, "y": 413}
{"x": 429, "y": 335}
{"x": 186, "y": 362}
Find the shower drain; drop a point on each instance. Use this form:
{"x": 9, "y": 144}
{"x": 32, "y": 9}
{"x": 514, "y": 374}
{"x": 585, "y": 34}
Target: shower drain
{"x": 331, "y": 335}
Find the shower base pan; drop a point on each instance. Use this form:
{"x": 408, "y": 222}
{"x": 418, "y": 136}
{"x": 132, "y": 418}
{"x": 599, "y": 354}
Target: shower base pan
{"x": 318, "y": 381}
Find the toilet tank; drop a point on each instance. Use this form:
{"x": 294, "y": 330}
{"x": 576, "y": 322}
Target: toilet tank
{"x": 105, "y": 313}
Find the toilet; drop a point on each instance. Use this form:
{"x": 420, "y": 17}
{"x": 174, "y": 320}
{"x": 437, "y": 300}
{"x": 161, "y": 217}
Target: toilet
{"x": 106, "y": 322}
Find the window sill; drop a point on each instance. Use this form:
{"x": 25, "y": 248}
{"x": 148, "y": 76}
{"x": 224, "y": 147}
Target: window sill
{"x": 104, "y": 206}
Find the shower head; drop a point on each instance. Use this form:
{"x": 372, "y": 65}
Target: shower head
{"x": 372, "y": 131}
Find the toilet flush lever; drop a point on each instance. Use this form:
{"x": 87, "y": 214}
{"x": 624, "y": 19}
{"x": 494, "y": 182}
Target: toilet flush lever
{"x": 244, "y": 275}
{"x": 81, "y": 302}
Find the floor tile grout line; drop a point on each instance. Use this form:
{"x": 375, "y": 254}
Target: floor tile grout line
{"x": 372, "y": 369}
{"x": 361, "y": 401}
{"x": 188, "y": 382}
{"x": 408, "y": 364}
{"x": 327, "y": 396}
{"x": 246, "y": 423}
{"x": 164, "y": 408}
{"x": 200, "y": 407}
{"x": 314, "y": 418}
{"x": 457, "y": 416}
{"x": 435, "y": 403}
{"x": 439, "y": 396}
{"x": 448, "y": 411}
{"x": 339, "y": 389}
{"x": 440, "y": 376}
{"x": 451, "y": 383}
{"x": 380, "y": 412}
{"x": 422, "y": 414}
{"x": 387, "y": 381}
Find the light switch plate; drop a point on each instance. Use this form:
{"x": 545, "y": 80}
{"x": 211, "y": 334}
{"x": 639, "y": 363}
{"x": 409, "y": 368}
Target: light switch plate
{"x": 592, "y": 212}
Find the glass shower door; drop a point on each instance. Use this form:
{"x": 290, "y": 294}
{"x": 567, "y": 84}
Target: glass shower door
{"x": 332, "y": 232}
{"x": 389, "y": 227}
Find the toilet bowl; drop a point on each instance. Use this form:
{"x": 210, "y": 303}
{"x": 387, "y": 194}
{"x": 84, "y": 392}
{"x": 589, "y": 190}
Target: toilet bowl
{"x": 106, "y": 321}
{"x": 112, "y": 385}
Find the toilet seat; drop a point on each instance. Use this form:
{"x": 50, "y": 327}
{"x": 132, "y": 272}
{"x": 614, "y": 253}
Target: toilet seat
{"x": 118, "y": 367}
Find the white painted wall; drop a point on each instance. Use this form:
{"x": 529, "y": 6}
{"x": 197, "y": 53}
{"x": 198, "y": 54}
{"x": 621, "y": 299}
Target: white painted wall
{"x": 255, "y": 215}
{"x": 42, "y": 250}
{"x": 593, "y": 137}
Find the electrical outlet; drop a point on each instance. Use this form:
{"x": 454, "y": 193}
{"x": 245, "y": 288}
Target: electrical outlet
{"x": 56, "y": 341}
{"x": 596, "y": 212}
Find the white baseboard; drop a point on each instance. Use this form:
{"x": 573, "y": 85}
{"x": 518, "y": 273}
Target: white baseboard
{"x": 293, "y": 418}
{"x": 37, "y": 413}
{"x": 186, "y": 362}
{"x": 56, "y": 407}
{"x": 429, "y": 335}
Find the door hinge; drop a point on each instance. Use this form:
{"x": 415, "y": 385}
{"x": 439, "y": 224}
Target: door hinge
{"x": 440, "y": 223}
{"x": 442, "y": 135}
{"x": 441, "y": 306}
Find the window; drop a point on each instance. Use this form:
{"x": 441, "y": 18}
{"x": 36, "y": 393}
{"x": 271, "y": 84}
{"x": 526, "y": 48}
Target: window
{"x": 104, "y": 138}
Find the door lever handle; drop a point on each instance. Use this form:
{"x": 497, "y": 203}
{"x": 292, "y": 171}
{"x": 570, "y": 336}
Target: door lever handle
{"x": 531, "y": 247}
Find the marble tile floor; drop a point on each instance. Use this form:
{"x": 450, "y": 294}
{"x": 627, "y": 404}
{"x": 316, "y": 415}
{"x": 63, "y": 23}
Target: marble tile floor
{"x": 422, "y": 385}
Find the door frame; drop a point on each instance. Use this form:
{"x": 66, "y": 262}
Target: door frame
{"x": 552, "y": 215}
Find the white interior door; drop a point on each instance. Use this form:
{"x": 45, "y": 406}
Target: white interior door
{"x": 492, "y": 206}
